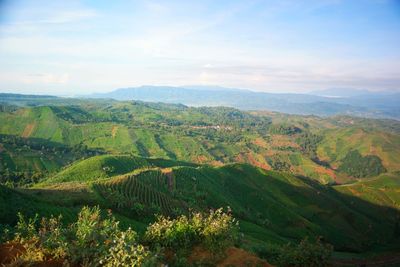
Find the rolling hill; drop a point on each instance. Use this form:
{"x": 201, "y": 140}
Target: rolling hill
{"x": 285, "y": 177}
{"x": 362, "y": 103}
{"x": 273, "y": 207}
{"x": 304, "y": 145}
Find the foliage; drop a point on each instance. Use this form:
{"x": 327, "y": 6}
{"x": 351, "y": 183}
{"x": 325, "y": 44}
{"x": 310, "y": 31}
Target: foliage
{"x": 309, "y": 143}
{"x": 40, "y": 140}
{"x": 96, "y": 241}
{"x": 123, "y": 253}
{"x": 306, "y": 253}
{"x": 91, "y": 241}
{"x": 284, "y": 129}
{"x": 215, "y": 231}
{"x": 356, "y": 165}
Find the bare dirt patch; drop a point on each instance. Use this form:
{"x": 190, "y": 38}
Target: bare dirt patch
{"x": 9, "y": 252}
{"x": 283, "y": 141}
{"x": 257, "y": 163}
{"x": 114, "y": 131}
{"x": 390, "y": 259}
{"x": 260, "y": 142}
{"x": 28, "y": 130}
{"x": 232, "y": 257}
{"x": 201, "y": 159}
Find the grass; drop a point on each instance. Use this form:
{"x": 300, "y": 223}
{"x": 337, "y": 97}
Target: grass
{"x": 382, "y": 190}
{"x": 285, "y": 206}
{"x": 98, "y": 167}
{"x": 338, "y": 143}
{"x": 190, "y": 134}
{"x": 162, "y": 158}
{"x": 273, "y": 207}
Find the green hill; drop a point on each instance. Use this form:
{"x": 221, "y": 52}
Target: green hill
{"x": 383, "y": 190}
{"x": 105, "y": 166}
{"x": 12, "y": 202}
{"x": 98, "y": 167}
{"x": 278, "y": 173}
{"x": 304, "y": 145}
{"x": 273, "y": 206}
{"x": 338, "y": 143}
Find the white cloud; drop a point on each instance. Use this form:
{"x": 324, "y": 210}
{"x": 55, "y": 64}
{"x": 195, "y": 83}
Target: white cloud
{"x": 45, "y": 78}
{"x": 78, "y": 47}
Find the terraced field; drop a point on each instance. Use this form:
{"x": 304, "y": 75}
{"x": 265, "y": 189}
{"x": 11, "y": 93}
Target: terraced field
{"x": 279, "y": 174}
{"x": 307, "y": 146}
{"x": 148, "y": 188}
{"x": 281, "y": 206}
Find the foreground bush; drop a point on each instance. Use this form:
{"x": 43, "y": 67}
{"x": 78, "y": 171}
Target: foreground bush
{"x": 96, "y": 241}
{"x": 216, "y": 231}
{"x": 212, "y": 232}
{"x": 91, "y": 241}
{"x": 306, "y": 253}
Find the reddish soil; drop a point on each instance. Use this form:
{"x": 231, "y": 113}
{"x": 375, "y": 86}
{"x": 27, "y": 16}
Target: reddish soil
{"x": 114, "y": 130}
{"x": 323, "y": 170}
{"x": 201, "y": 159}
{"x": 387, "y": 260}
{"x": 249, "y": 158}
{"x": 9, "y": 252}
{"x": 256, "y": 163}
{"x": 260, "y": 142}
{"x": 283, "y": 141}
{"x": 233, "y": 257}
{"x": 239, "y": 257}
{"x": 28, "y": 130}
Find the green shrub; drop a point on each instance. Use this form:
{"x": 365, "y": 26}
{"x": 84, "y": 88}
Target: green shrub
{"x": 356, "y": 165}
{"x": 96, "y": 241}
{"x": 306, "y": 253}
{"x": 53, "y": 237}
{"x": 91, "y": 241}
{"x": 125, "y": 251}
{"x": 215, "y": 230}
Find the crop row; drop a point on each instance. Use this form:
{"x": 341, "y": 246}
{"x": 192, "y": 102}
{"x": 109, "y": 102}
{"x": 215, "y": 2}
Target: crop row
{"x": 131, "y": 190}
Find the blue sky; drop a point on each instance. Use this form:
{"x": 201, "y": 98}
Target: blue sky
{"x": 75, "y": 47}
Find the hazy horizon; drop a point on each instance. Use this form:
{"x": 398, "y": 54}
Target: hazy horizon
{"x": 83, "y": 47}
{"x": 320, "y": 92}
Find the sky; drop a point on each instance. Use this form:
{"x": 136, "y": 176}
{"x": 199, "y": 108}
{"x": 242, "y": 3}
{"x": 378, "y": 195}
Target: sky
{"x": 84, "y": 46}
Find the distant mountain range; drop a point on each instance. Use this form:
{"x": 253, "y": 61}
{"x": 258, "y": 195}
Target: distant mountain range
{"x": 345, "y": 92}
{"x": 323, "y": 103}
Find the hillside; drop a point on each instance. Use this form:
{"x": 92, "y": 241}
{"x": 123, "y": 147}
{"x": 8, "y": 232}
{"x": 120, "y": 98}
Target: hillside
{"x": 272, "y": 207}
{"x": 285, "y": 177}
{"x": 12, "y": 202}
{"x": 99, "y": 167}
{"x": 338, "y": 143}
{"x": 382, "y": 190}
{"x": 304, "y": 145}
{"x": 363, "y": 104}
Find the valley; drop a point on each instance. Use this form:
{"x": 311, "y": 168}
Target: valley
{"x": 284, "y": 177}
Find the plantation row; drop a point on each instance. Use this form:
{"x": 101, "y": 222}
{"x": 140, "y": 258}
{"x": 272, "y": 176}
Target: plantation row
{"x": 132, "y": 193}
{"x": 154, "y": 178}
{"x": 187, "y": 174}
